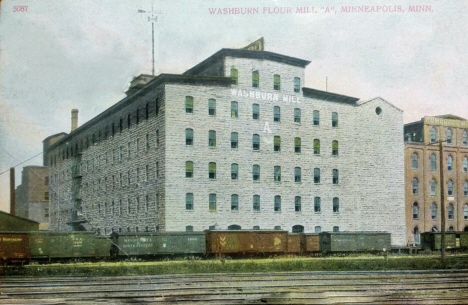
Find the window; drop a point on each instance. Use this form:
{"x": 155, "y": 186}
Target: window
{"x": 317, "y": 208}
{"x": 465, "y": 188}
{"x": 46, "y": 196}
{"x": 297, "y": 174}
{"x": 212, "y": 170}
{"x": 297, "y": 84}
{"x": 277, "y": 173}
{"x": 433, "y": 187}
{"x": 464, "y": 137}
{"x": 433, "y": 162}
{"x": 316, "y": 117}
{"x": 276, "y": 113}
{"x": 414, "y": 161}
{"x": 415, "y": 211}
{"x": 316, "y": 147}
{"x": 256, "y": 227}
{"x": 234, "y": 202}
{"x": 46, "y": 181}
{"x": 276, "y": 82}
{"x": 298, "y": 229}
{"x": 277, "y": 228}
{"x": 433, "y": 135}
{"x": 448, "y": 135}
{"x": 465, "y": 212}
{"x": 433, "y": 211}
{"x": 255, "y": 79}
{"x": 188, "y": 169}
{"x": 212, "y": 138}
{"x": 335, "y": 176}
{"x": 297, "y": 204}
{"x": 256, "y": 142}
{"x": 189, "y": 136}
{"x": 450, "y": 211}
{"x": 277, "y": 143}
{"x": 297, "y": 115}
{"x": 336, "y": 229}
{"x": 189, "y": 104}
{"x": 234, "y": 76}
{"x": 255, "y": 111}
{"x": 189, "y": 229}
{"x": 212, "y": 203}
{"x": 46, "y": 212}
{"x": 234, "y": 171}
{"x": 256, "y": 172}
{"x": 335, "y": 148}
{"x": 416, "y": 236}
{"x": 318, "y": 229}
{"x": 234, "y": 227}
{"x": 256, "y": 203}
{"x": 336, "y": 205}
{"x": 189, "y": 201}
{"x": 316, "y": 175}
{"x": 450, "y": 187}
{"x": 234, "y": 140}
{"x": 234, "y": 110}
{"x": 212, "y": 106}
{"x": 334, "y": 119}
{"x": 277, "y": 207}
{"x": 415, "y": 186}
{"x": 297, "y": 145}
{"x": 465, "y": 164}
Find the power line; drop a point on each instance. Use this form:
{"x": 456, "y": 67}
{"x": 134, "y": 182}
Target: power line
{"x": 21, "y": 163}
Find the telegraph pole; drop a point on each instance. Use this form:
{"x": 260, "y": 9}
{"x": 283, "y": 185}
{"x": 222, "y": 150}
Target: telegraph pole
{"x": 442, "y": 202}
{"x": 152, "y": 16}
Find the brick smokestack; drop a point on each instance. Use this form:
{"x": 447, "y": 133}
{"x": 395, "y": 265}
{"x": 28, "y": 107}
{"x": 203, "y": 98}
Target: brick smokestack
{"x": 12, "y": 191}
{"x": 74, "y": 119}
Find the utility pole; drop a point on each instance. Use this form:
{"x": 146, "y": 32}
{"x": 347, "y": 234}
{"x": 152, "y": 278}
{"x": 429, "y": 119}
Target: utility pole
{"x": 153, "y": 18}
{"x": 442, "y": 202}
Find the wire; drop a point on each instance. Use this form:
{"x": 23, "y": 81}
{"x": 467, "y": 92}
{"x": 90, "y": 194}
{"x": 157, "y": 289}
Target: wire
{"x": 22, "y": 163}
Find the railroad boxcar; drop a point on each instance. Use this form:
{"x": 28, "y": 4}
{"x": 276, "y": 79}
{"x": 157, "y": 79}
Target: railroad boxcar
{"x": 14, "y": 248}
{"x": 354, "y": 241}
{"x": 294, "y": 243}
{"x": 134, "y": 243}
{"x": 181, "y": 243}
{"x": 311, "y": 243}
{"x": 58, "y": 245}
{"x": 463, "y": 240}
{"x": 432, "y": 240}
{"x": 239, "y": 242}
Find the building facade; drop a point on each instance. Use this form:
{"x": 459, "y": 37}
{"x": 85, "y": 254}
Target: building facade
{"x": 32, "y": 195}
{"x": 423, "y": 183}
{"x": 234, "y": 142}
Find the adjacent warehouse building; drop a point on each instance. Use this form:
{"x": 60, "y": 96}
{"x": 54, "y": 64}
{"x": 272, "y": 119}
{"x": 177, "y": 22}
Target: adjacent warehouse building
{"x": 234, "y": 142}
{"x": 423, "y": 170}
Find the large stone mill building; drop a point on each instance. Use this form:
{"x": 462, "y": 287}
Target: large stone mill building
{"x": 234, "y": 142}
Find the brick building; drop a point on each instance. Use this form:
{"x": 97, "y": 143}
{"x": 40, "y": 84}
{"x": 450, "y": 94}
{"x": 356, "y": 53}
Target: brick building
{"x": 422, "y": 169}
{"x": 32, "y": 195}
{"x": 234, "y": 142}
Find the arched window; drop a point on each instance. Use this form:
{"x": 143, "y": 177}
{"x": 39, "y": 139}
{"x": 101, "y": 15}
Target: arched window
{"x": 297, "y": 204}
{"x": 433, "y": 211}
{"x": 316, "y": 117}
{"x": 277, "y": 173}
{"x": 297, "y": 174}
{"x": 415, "y": 210}
{"x": 256, "y": 142}
{"x": 212, "y": 170}
{"x": 212, "y": 138}
{"x": 465, "y": 211}
{"x": 256, "y": 228}
{"x": 189, "y": 201}
{"x": 336, "y": 205}
{"x": 335, "y": 176}
{"x": 234, "y": 227}
{"x": 316, "y": 175}
{"x": 276, "y": 82}
{"x": 450, "y": 211}
{"x": 277, "y": 206}
{"x": 450, "y": 191}
{"x": 316, "y": 147}
{"x": 256, "y": 172}
{"x": 335, "y": 148}
{"x": 234, "y": 140}
{"x": 277, "y": 227}
{"x": 298, "y": 229}
{"x": 188, "y": 169}
{"x": 189, "y": 136}
{"x": 414, "y": 161}
{"x": 234, "y": 202}
{"x": 234, "y": 110}
{"x": 188, "y": 106}
{"x": 255, "y": 79}
{"x": 297, "y": 84}
{"x": 433, "y": 187}
{"x": 317, "y": 205}
{"x": 297, "y": 115}
{"x": 318, "y": 229}
{"x": 465, "y": 164}
{"x": 234, "y": 76}
{"x": 334, "y": 119}
{"x": 212, "y": 203}
{"x": 415, "y": 186}
{"x": 297, "y": 145}
{"x": 211, "y": 106}
{"x": 255, "y": 111}
{"x": 276, "y": 114}
{"x": 465, "y": 137}
{"x": 450, "y": 229}
{"x": 433, "y": 134}
{"x": 188, "y": 228}
{"x": 276, "y": 143}
{"x": 336, "y": 229}
{"x": 465, "y": 188}
{"x": 433, "y": 162}
{"x": 448, "y": 135}
{"x": 416, "y": 235}
{"x": 256, "y": 203}
{"x": 449, "y": 163}
{"x": 234, "y": 171}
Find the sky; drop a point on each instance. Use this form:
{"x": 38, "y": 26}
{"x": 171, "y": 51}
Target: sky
{"x": 56, "y": 55}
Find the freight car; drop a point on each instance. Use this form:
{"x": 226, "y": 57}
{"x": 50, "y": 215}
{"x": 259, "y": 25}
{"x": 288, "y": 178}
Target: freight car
{"x": 14, "y": 248}
{"x": 432, "y": 240}
{"x": 342, "y": 242}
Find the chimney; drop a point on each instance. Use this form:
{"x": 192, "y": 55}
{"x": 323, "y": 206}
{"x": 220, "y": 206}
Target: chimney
{"x": 74, "y": 119}
{"x": 12, "y": 191}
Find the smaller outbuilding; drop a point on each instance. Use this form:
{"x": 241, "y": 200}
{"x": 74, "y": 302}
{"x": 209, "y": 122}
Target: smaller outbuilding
{"x": 9, "y": 223}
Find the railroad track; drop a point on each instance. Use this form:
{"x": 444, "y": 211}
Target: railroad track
{"x": 392, "y": 287}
